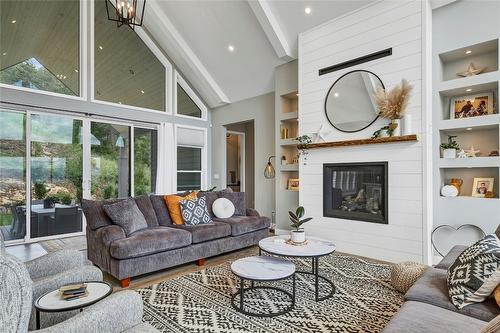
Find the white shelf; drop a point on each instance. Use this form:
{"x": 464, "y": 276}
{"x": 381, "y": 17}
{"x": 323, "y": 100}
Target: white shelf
{"x": 289, "y": 116}
{"x": 480, "y": 82}
{"x": 288, "y": 142}
{"x": 470, "y": 162}
{"x": 289, "y": 167}
{"x": 468, "y": 198}
{"x": 464, "y": 123}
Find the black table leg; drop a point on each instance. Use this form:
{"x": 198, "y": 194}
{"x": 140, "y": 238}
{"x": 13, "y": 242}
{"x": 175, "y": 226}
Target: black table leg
{"x": 37, "y": 315}
{"x": 316, "y": 277}
{"x": 242, "y": 287}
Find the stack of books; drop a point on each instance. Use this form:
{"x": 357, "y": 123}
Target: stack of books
{"x": 73, "y": 291}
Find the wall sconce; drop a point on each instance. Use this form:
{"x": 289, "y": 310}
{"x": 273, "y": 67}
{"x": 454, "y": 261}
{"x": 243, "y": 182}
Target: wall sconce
{"x": 269, "y": 172}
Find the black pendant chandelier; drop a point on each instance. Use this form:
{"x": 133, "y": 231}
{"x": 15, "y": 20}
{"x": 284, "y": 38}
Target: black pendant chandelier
{"x": 129, "y": 12}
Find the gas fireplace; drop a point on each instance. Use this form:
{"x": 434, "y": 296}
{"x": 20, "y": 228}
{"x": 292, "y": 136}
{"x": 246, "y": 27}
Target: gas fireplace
{"x": 356, "y": 191}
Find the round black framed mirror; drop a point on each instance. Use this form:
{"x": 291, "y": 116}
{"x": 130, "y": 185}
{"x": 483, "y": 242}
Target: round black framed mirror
{"x": 349, "y": 104}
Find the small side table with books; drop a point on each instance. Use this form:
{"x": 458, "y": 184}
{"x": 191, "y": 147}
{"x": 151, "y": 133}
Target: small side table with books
{"x": 75, "y": 297}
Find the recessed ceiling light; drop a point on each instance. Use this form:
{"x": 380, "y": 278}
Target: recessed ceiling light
{"x": 100, "y": 47}
{"x": 4, "y": 54}
{"x": 142, "y": 91}
{"x": 468, "y": 89}
{"x": 469, "y": 128}
{"x": 468, "y": 52}
{"x": 336, "y": 95}
{"x": 13, "y": 21}
{"x": 76, "y": 70}
{"x": 230, "y": 48}
{"x": 308, "y": 10}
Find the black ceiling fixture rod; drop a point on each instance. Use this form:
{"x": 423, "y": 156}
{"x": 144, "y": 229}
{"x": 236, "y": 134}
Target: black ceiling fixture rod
{"x": 357, "y": 61}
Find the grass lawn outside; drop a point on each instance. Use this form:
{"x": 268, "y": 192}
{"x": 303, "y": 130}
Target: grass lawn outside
{"x": 5, "y": 219}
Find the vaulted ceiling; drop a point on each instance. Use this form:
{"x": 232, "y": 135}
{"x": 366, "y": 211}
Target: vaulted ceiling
{"x": 196, "y": 34}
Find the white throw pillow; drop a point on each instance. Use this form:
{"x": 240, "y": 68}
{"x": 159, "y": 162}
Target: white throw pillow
{"x": 223, "y": 208}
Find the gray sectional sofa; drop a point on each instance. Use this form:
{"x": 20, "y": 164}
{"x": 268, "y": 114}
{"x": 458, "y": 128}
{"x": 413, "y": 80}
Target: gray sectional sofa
{"x": 162, "y": 245}
{"x": 427, "y": 307}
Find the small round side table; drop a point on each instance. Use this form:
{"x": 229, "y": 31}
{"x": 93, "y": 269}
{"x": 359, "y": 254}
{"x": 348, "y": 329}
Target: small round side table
{"x": 52, "y": 301}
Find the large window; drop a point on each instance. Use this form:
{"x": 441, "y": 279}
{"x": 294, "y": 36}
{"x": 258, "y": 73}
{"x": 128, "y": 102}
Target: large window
{"x": 110, "y": 160}
{"x": 56, "y": 175}
{"x": 145, "y": 158}
{"x": 189, "y": 168}
{"x": 12, "y": 175}
{"x": 40, "y": 45}
{"x": 125, "y": 69}
{"x": 187, "y": 103}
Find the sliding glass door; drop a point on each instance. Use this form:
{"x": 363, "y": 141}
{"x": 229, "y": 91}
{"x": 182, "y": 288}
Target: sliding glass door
{"x": 56, "y": 175}
{"x": 49, "y": 162}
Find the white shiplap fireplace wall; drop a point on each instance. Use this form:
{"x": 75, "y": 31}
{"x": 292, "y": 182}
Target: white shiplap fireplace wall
{"x": 383, "y": 24}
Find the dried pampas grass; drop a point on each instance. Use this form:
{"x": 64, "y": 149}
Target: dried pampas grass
{"x": 392, "y": 104}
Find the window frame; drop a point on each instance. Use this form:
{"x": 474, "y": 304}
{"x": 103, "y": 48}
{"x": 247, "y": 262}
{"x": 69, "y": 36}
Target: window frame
{"x": 178, "y": 79}
{"x": 82, "y": 71}
{"x": 150, "y": 44}
{"x": 204, "y": 155}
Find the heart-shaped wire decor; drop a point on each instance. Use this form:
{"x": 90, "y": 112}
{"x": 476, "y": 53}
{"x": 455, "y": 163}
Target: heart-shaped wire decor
{"x": 441, "y": 248}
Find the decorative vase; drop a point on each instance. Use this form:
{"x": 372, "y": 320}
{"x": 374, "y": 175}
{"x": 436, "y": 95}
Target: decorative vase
{"x": 407, "y": 130}
{"x": 395, "y": 126}
{"x": 384, "y": 133}
{"x": 298, "y": 236}
{"x": 457, "y": 182}
{"x": 449, "y": 153}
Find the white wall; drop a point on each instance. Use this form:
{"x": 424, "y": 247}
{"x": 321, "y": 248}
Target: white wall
{"x": 260, "y": 109}
{"x": 384, "y": 24}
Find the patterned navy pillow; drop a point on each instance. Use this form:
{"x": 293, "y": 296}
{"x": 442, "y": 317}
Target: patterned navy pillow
{"x": 475, "y": 273}
{"x": 195, "y": 211}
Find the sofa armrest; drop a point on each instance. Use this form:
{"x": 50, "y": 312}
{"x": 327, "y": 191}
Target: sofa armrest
{"x": 110, "y": 233}
{"x": 117, "y": 313}
{"x": 252, "y": 212}
{"x": 55, "y": 262}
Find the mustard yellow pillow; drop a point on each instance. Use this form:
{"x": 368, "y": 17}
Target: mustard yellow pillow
{"x": 496, "y": 294}
{"x": 174, "y": 207}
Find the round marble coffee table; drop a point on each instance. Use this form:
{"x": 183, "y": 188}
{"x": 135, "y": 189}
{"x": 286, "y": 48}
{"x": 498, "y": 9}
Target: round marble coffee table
{"x": 263, "y": 269}
{"x": 314, "y": 249}
{"x": 52, "y": 301}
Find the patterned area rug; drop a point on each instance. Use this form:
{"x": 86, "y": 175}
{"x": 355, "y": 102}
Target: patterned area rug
{"x": 364, "y": 301}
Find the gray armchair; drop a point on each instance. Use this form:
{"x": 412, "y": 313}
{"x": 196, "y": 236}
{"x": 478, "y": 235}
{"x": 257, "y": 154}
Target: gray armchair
{"x": 120, "y": 312}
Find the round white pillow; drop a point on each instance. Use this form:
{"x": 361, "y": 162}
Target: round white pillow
{"x": 223, "y": 208}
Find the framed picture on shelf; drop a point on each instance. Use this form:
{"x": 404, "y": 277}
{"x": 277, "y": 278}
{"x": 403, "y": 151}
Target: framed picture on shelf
{"x": 481, "y": 186}
{"x": 293, "y": 184}
{"x": 471, "y": 106}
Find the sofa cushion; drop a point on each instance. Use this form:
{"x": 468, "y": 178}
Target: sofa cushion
{"x": 127, "y": 215}
{"x": 210, "y": 197}
{"x": 94, "y": 213}
{"x": 161, "y": 210}
{"x": 205, "y": 232}
{"x": 149, "y": 241}
{"x": 450, "y": 258}
{"x": 416, "y": 317}
{"x": 174, "y": 208}
{"x": 195, "y": 212}
{"x": 238, "y": 200}
{"x": 476, "y": 272}
{"x": 431, "y": 288}
{"x": 244, "y": 224}
{"x": 146, "y": 208}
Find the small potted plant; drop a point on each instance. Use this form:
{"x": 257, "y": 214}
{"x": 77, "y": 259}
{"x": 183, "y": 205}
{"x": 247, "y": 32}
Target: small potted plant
{"x": 298, "y": 235}
{"x": 450, "y": 147}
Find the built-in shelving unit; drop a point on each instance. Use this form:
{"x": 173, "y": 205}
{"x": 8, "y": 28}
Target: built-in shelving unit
{"x": 480, "y": 132}
{"x": 287, "y": 129}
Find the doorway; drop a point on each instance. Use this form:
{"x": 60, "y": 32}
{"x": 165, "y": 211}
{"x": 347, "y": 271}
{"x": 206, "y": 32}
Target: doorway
{"x": 235, "y": 160}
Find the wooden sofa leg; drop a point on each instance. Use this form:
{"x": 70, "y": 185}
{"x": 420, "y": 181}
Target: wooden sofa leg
{"x": 200, "y": 262}
{"x": 124, "y": 283}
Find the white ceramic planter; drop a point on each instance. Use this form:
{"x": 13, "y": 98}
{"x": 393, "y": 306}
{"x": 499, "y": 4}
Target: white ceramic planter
{"x": 407, "y": 130}
{"x": 397, "y": 130}
{"x": 298, "y": 236}
{"x": 449, "y": 153}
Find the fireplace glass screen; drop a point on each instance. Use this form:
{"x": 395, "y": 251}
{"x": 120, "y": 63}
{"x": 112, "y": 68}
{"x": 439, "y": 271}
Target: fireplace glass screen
{"x": 356, "y": 191}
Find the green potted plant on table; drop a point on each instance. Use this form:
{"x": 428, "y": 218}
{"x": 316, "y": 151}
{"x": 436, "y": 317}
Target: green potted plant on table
{"x": 298, "y": 235}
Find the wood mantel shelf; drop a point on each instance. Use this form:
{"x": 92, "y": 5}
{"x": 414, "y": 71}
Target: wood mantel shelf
{"x": 347, "y": 143}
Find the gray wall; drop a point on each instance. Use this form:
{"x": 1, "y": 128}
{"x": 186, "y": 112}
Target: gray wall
{"x": 260, "y": 109}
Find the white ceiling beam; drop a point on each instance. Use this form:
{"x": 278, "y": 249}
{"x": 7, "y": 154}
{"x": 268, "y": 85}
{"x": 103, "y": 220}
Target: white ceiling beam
{"x": 170, "y": 40}
{"x": 435, "y": 4}
{"x": 271, "y": 28}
